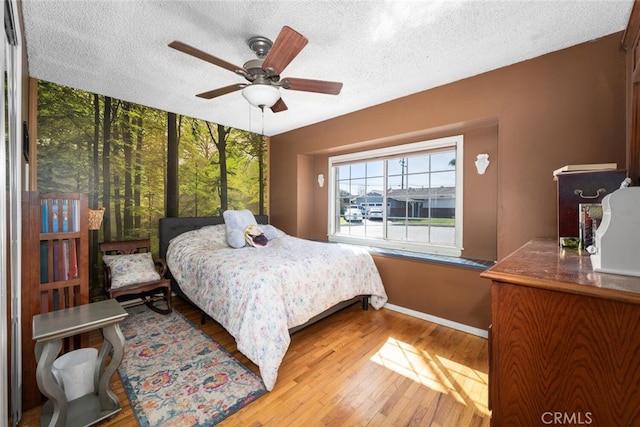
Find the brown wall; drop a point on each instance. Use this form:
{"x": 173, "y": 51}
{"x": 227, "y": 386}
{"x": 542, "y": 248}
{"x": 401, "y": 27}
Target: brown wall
{"x": 448, "y": 292}
{"x": 566, "y": 107}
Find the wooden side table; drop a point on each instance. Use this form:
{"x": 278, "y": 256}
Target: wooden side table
{"x": 49, "y": 329}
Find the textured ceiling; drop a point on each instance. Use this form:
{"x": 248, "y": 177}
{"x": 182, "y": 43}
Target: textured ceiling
{"x": 380, "y": 50}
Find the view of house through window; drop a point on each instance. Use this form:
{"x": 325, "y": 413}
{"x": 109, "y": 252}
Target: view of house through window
{"x": 404, "y": 197}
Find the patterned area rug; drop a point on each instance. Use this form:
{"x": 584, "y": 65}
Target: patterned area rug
{"x": 176, "y": 375}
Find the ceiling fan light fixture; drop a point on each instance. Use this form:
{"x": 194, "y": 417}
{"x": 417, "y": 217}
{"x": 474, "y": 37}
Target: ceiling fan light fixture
{"x": 261, "y": 95}
{"x": 263, "y": 74}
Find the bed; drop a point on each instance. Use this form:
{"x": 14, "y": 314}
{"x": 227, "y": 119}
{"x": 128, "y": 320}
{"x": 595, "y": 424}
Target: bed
{"x": 261, "y": 295}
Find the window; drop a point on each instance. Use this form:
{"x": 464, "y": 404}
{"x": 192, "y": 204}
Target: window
{"x": 410, "y": 197}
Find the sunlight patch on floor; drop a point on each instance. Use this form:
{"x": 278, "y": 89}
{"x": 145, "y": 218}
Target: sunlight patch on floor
{"x": 466, "y": 385}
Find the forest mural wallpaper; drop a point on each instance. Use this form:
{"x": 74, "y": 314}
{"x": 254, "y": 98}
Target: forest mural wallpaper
{"x": 117, "y": 153}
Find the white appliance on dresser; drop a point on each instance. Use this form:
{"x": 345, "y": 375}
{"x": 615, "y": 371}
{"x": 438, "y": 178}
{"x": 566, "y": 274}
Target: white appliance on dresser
{"x": 617, "y": 243}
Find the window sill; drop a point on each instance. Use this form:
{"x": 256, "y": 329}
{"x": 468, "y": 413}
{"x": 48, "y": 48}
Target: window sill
{"x": 438, "y": 259}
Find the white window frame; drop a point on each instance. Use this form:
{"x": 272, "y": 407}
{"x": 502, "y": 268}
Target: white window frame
{"x": 456, "y": 142}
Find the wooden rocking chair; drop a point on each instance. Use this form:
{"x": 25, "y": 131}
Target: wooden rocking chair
{"x": 148, "y": 291}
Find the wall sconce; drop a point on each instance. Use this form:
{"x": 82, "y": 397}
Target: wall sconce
{"x": 321, "y": 180}
{"x": 95, "y": 218}
{"x": 482, "y": 163}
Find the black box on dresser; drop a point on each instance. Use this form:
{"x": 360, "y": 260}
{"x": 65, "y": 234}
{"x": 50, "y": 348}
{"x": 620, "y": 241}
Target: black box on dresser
{"x": 582, "y": 187}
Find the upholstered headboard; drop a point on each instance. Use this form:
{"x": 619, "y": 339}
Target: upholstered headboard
{"x": 172, "y": 227}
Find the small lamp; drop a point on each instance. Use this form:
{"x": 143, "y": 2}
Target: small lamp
{"x": 261, "y": 95}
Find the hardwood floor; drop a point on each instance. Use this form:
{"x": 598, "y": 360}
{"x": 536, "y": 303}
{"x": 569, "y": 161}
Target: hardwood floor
{"x": 357, "y": 368}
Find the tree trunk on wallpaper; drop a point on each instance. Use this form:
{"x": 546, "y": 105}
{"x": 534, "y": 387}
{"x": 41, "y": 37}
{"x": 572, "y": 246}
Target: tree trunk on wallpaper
{"x": 116, "y": 184}
{"x": 221, "y": 145}
{"x": 171, "y": 190}
{"x": 257, "y": 149}
{"x": 137, "y": 172}
{"x": 106, "y": 169}
{"x": 127, "y": 146}
{"x": 94, "y": 156}
{"x": 94, "y": 268}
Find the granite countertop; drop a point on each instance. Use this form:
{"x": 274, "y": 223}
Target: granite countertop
{"x": 542, "y": 263}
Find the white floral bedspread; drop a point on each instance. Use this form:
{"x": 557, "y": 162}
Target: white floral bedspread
{"x": 257, "y": 294}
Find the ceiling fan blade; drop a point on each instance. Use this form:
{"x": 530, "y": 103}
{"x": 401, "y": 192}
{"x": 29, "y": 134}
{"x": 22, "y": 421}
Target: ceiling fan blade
{"x": 308, "y": 85}
{"x": 286, "y": 47}
{"x": 189, "y": 50}
{"x": 279, "y": 106}
{"x": 221, "y": 91}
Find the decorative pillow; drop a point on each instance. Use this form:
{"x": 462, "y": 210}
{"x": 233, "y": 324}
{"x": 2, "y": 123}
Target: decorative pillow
{"x": 270, "y": 232}
{"x": 237, "y": 222}
{"x": 255, "y": 237}
{"x": 130, "y": 269}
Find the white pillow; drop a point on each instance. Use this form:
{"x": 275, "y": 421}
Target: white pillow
{"x": 237, "y": 222}
{"x": 131, "y": 269}
{"x": 271, "y": 232}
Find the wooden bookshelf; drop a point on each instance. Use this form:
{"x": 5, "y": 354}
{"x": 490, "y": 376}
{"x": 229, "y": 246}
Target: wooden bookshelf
{"x": 55, "y": 269}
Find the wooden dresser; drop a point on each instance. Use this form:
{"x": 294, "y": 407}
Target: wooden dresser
{"x": 564, "y": 344}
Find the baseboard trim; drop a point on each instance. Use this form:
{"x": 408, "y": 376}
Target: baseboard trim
{"x": 483, "y": 333}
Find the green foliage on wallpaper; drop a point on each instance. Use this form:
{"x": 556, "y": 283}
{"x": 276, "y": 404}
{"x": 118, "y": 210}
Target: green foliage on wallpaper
{"x": 71, "y": 158}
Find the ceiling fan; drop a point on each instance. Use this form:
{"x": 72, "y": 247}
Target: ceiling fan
{"x": 263, "y": 74}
